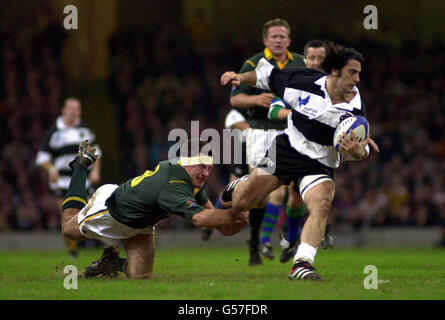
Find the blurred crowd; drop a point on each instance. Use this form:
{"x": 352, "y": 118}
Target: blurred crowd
{"x": 31, "y": 92}
{"x": 162, "y": 81}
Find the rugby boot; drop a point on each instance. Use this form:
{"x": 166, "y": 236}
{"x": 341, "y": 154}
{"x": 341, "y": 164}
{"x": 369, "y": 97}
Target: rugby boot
{"x": 328, "y": 239}
{"x": 108, "y": 265}
{"x": 303, "y": 270}
{"x": 267, "y": 251}
{"x": 85, "y": 157}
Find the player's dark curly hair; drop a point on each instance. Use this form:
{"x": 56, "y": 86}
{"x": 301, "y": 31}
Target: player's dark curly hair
{"x": 337, "y": 57}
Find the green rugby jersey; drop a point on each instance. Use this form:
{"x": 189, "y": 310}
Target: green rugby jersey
{"x": 258, "y": 115}
{"x": 155, "y": 195}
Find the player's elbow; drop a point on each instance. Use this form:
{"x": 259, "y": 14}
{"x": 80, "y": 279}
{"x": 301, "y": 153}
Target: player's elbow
{"x": 199, "y": 221}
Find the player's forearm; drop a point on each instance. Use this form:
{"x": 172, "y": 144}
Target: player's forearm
{"x": 212, "y": 218}
{"x": 282, "y": 114}
{"x": 278, "y": 113}
{"x": 243, "y": 100}
{"x": 248, "y": 78}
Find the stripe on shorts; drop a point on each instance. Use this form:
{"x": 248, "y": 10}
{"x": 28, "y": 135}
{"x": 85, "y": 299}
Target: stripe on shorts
{"x": 93, "y": 215}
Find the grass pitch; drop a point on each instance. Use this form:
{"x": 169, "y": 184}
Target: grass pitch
{"x": 223, "y": 274}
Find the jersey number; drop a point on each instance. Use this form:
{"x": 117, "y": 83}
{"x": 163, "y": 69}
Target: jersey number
{"x": 146, "y": 174}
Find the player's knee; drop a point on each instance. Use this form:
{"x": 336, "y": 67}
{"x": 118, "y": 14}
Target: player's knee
{"x": 295, "y": 202}
{"x": 320, "y": 206}
{"x": 71, "y": 230}
{"x": 68, "y": 232}
{"x": 277, "y": 196}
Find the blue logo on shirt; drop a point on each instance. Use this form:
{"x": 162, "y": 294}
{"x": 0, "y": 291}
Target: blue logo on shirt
{"x": 303, "y": 101}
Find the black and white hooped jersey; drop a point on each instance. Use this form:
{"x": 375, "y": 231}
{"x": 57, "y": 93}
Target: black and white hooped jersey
{"x": 61, "y": 146}
{"x": 312, "y": 122}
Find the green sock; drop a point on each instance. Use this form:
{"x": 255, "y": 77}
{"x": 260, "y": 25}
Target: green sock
{"x": 294, "y": 217}
{"x": 295, "y": 213}
{"x": 76, "y": 196}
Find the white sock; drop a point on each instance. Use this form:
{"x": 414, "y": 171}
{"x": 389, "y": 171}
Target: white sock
{"x": 306, "y": 252}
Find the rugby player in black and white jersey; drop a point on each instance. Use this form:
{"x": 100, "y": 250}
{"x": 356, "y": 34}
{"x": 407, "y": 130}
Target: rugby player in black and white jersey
{"x": 60, "y": 145}
{"x": 304, "y": 153}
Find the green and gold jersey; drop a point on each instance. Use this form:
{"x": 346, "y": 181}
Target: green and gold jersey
{"x": 155, "y": 195}
{"x": 258, "y": 115}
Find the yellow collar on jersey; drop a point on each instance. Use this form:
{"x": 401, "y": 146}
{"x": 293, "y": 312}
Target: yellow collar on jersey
{"x": 268, "y": 55}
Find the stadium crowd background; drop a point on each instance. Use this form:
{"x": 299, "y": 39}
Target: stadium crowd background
{"x": 162, "y": 80}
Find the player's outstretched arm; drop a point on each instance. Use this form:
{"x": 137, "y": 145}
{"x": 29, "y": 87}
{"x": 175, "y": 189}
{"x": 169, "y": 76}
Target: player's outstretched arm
{"x": 236, "y": 225}
{"x": 243, "y": 100}
{"x": 218, "y": 218}
{"x": 238, "y": 78}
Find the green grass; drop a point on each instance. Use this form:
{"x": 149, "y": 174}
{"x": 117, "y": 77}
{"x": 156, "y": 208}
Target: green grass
{"x": 222, "y": 273}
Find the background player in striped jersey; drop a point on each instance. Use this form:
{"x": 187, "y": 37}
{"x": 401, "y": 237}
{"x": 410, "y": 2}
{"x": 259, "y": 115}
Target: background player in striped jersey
{"x": 58, "y": 149}
{"x": 276, "y": 39}
{"x": 304, "y": 153}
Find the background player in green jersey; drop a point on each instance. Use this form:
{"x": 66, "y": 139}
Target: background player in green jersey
{"x": 262, "y": 131}
{"x": 130, "y": 211}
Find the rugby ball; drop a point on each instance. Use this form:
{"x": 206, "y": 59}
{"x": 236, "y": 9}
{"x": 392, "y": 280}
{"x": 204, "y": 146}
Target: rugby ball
{"x": 358, "y": 124}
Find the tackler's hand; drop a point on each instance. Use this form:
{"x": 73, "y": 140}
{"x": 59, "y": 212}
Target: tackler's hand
{"x": 231, "y": 76}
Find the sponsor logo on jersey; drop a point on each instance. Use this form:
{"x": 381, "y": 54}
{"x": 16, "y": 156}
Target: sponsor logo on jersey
{"x": 190, "y": 204}
{"x": 303, "y": 102}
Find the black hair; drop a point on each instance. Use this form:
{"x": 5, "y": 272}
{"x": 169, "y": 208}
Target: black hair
{"x": 312, "y": 44}
{"x": 337, "y": 57}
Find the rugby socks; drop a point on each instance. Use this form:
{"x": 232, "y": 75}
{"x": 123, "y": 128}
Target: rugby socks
{"x": 305, "y": 252}
{"x": 255, "y": 219}
{"x": 293, "y": 218}
{"x": 270, "y": 220}
{"x": 71, "y": 245}
{"x": 76, "y": 196}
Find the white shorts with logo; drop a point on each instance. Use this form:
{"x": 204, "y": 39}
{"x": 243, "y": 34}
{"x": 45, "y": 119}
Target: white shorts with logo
{"x": 258, "y": 142}
{"x": 95, "y": 221}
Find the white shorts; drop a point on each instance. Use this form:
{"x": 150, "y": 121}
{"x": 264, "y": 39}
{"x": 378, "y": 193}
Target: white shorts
{"x": 95, "y": 222}
{"x": 258, "y": 142}
{"x": 232, "y": 118}
{"x": 310, "y": 181}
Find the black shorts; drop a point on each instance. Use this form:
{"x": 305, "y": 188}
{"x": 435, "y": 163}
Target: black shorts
{"x": 288, "y": 165}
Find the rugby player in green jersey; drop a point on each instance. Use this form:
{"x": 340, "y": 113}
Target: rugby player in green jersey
{"x": 130, "y": 211}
